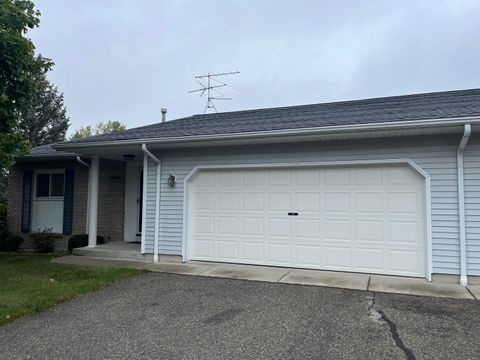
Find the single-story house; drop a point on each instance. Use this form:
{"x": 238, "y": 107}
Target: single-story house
{"x": 386, "y": 186}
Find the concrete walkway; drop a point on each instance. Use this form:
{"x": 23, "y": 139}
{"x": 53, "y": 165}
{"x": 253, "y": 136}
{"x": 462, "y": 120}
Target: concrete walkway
{"x": 376, "y": 283}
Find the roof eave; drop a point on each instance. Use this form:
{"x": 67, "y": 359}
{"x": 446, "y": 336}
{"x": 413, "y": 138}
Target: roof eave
{"x": 398, "y": 125}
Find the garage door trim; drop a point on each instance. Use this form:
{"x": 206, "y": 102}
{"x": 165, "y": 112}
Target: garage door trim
{"x": 406, "y": 161}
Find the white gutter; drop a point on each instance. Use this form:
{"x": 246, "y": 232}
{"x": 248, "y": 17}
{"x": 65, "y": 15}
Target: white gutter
{"x": 399, "y": 125}
{"x": 79, "y": 159}
{"x": 461, "y": 204}
{"x": 157, "y": 199}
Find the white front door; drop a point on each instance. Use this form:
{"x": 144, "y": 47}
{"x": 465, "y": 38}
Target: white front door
{"x": 133, "y": 202}
{"x": 357, "y": 218}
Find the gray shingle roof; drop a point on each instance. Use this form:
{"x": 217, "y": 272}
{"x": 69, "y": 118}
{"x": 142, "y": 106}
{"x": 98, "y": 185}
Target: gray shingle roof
{"x": 448, "y": 104}
{"x": 48, "y": 150}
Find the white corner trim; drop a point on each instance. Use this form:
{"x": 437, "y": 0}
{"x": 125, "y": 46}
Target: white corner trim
{"x": 79, "y": 159}
{"x": 461, "y": 204}
{"x": 157, "y": 200}
{"x": 407, "y": 161}
{"x": 144, "y": 203}
{"x": 93, "y": 176}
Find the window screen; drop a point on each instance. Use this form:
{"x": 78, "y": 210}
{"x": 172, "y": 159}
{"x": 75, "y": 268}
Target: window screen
{"x": 43, "y": 185}
{"x": 57, "y": 185}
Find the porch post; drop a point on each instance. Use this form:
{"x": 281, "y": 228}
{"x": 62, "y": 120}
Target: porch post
{"x": 93, "y": 201}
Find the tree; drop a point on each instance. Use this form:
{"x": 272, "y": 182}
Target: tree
{"x": 100, "y": 128}
{"x": 18, "y": 67}
{"x": 45, "y": 120}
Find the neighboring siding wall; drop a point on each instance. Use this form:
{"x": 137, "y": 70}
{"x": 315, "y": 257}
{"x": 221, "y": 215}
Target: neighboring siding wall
{"x": 436, "y": 155}
{"x": 110, "y": 198}
{"x": 472, "y": 204}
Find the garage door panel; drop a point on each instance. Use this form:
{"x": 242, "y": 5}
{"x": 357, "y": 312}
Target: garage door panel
{"x": 279, "y": 201}
{"x": 370, "y": 259}
{"x": 401, "y": 261}
{"x": 204, "y": 225}
{"x": 279, "y": 227}
{"x": 307, "y": 202}
{"x": 228, "y": 201}
{"x": 337, "y": 257}
{"x": 337, "y": 202}
{"x": 404, "y": 203}
{"x": 254, "y": 201}
{"x": 368, "y": 176}
{"x": 307, "y": 229}
{"x": 337, "y": 176}
{"x": 369, "y": 202}
{"x": 254, "y": 226}
{"x": 204, "y": 249}
{"x": 279, "y": 177}
{"x": 227, "y": 250}
{"x": 405, "y": 232}
{"x": 307, "y": 177}
{"x": 228, "y": 225}
{"x": 370, "y": 230}
{"x": 253, "y": 251}
{"x": 337, "y": 230}
{"x": 280, "y": 253}
{"x": 364, "y": 218}
{"x": 205, "y": 201}
{"x": 253, "y": 178}
{"x": 228, "y": 179}
{"x": 307, "y": 255}
{"x": 401, "y": 175}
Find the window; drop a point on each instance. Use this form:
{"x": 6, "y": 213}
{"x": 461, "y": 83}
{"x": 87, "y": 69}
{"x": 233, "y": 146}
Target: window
{"x": 50, "y": 185}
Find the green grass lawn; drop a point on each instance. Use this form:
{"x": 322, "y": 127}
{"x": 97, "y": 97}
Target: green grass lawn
{"x": 30, "y": 283}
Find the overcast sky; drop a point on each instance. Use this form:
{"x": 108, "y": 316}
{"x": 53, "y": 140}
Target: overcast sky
{"x": 124, "y": 60}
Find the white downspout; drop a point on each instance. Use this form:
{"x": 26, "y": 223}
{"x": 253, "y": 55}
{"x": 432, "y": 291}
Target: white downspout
{"x": 157, "y": 199}
{"x": 461, "y": 204}
{"x": 79, "y": 159}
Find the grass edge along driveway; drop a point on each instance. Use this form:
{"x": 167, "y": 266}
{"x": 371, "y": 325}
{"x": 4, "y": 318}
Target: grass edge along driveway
{"x": 30, "y": 283}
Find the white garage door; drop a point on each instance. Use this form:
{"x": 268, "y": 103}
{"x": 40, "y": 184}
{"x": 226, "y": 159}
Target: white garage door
{"x": 361, "y": 219}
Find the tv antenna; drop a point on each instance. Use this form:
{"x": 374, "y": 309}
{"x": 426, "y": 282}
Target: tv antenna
{"x": 209, "y": 84}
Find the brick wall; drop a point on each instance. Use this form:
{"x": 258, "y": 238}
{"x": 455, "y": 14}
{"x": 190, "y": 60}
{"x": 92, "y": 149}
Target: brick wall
{"x": 110, "y": 198}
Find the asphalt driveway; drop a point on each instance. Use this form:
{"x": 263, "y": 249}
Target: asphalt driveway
{"x": 162, "y": 316}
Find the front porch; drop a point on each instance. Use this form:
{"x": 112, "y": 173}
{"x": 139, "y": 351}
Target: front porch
{"x": 114, "y": 250}
{"x": 121, "y": 250}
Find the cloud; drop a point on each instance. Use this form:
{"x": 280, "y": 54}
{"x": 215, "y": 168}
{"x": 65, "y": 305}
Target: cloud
{"x": 123, "y": 60}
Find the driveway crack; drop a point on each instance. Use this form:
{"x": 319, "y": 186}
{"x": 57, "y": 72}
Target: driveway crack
{"x": 379, "y": 315}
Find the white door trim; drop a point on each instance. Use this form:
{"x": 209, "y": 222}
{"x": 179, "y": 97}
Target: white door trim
{"x": 406, "y": 161}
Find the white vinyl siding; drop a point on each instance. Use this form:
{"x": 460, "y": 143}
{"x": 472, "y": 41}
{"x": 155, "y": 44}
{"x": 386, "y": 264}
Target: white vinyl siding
{"x": 472, "y": 204}
{"x": 435, "y": 154}
{"x": 149, "y": 202}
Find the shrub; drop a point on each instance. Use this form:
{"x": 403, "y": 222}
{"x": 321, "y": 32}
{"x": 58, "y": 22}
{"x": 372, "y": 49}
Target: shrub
{"x": 44, "y": 241}
{"x": 9, "y": 241}
{"x": 81, "y": 240}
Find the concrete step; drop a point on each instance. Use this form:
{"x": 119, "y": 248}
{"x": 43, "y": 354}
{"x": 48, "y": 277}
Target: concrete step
{"x": 112, "y": 254}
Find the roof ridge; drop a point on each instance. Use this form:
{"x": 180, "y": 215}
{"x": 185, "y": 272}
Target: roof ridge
{"x": 342, "y": 102}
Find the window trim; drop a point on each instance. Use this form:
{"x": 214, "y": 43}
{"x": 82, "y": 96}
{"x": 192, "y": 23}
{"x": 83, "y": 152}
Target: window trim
{"x": 49, "y": 172}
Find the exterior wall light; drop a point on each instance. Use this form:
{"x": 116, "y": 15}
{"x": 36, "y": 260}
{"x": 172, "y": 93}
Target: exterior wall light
{"x": 171, "y": 180}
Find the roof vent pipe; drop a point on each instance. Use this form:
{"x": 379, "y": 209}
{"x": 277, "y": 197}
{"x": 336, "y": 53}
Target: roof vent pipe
{"x": 164, "y": 115}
